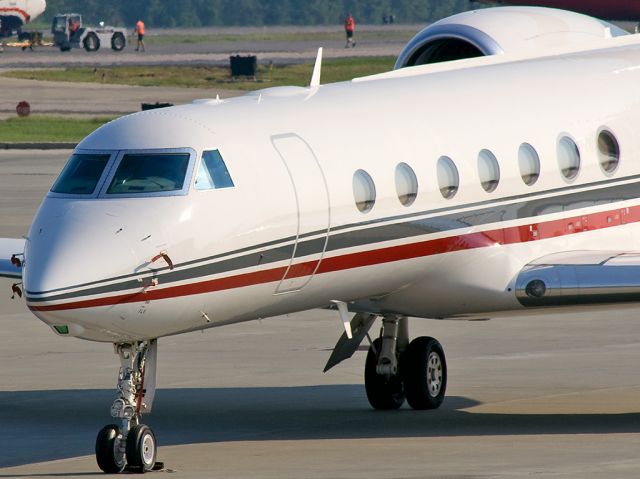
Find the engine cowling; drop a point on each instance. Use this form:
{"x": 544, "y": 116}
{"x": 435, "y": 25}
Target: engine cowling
{"x": 503, "y": 30}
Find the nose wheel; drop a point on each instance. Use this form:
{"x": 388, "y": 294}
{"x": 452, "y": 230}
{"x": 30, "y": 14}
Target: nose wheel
{"x": 137, "y": 453}
{"x": 109, "y": 453}
{"x": 141, "y": 448}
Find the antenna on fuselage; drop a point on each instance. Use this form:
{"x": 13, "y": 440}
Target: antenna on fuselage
{"x": 315, "y": 78}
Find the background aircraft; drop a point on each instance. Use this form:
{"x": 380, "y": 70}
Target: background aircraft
{"x": 16, "y": 13}
{"x": 609, "y": 9}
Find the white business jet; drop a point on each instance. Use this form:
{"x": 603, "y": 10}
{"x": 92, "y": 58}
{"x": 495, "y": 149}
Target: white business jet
{"x": 14, "y": 14}
{"x": 493, "y": 172}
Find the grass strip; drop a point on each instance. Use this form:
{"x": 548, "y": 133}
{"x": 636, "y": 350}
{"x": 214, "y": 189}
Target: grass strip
{"x": 37, "y": 128}
{"x": 212, "y": 76}
{"x": 318, "y": 37}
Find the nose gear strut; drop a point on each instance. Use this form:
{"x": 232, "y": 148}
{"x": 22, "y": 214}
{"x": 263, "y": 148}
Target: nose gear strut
{"x": 132, "y": 445}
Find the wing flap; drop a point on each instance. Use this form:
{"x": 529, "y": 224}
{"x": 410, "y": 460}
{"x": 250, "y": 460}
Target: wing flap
{"x": 11, "y": 248}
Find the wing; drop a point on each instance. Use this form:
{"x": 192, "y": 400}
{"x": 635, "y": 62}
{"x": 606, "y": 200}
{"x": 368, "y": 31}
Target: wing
{"x": 580, "y": 277}
{"x": 11, "y": 257}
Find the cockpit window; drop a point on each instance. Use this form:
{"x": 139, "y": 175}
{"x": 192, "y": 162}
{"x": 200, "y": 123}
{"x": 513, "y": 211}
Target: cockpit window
{"x": 149, "y": 173}
{"x": 81, "y": 174}
{"x": 213, "y": 173}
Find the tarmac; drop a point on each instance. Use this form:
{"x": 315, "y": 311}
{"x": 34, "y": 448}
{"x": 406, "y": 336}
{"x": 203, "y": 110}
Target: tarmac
{"x": 216, "y": 49}
{"x": 92, "y": 99}
{"x": 546, "y": 396}
{"x": 550, "y": 396}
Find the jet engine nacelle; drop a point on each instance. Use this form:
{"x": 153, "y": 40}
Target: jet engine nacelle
{"x": 503, "y": 30}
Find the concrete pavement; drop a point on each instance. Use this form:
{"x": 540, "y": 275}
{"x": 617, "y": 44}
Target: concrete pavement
{"x": 546, "y": 396}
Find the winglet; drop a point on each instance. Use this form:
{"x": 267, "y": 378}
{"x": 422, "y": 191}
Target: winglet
{"x": 315, "y": 78}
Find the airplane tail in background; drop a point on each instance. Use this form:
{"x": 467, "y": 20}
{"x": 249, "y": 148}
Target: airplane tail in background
{"x": 15, "y": 14}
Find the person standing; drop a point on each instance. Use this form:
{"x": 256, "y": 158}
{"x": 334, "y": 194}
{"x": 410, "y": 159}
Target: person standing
{"x": 349, "y": 27}
{"x": 139, "y": 30}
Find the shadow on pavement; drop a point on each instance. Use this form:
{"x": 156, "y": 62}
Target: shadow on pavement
{"x": 47, "y": 425}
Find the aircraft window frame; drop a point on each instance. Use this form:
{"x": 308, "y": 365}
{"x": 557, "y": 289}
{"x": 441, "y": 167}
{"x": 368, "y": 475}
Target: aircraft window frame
{"x": 531, "y": 177}
{"x": 566, "y": 145}
{"x": 488, "y": 165}
{"x": 608, "y": 166}
{"x": 188, "y": 177}
{"x": 96, "y": 191}
{"x": 364, "y": 191}
{"x": 447, "y": 166}
{"x": 406, "y": 184}
{"x": 225, "y": 180}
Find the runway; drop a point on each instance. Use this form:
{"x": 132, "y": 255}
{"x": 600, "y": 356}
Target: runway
{"x": 549, "y": 396}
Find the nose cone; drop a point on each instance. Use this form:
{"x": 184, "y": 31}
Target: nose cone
{"x": 69, "y": 246}
{"x": 79, "y": 249}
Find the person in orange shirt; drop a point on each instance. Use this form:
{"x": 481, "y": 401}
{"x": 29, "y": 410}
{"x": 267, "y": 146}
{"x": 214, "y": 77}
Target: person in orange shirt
{"x": 139, "y": 30}
{"x": 349, "y": 27}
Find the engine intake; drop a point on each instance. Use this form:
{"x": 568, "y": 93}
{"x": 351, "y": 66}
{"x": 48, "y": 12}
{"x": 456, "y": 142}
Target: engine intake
{"x": 495, "y": 31}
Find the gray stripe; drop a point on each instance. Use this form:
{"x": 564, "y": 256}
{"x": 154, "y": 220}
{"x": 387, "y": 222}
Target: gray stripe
{"x": 512, "y": 210}
{"x": 277, "y": 254}
{"x": 485, "y": 216}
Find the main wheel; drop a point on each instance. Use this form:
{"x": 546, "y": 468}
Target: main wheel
{"x": 91, "y": 42}
{"x": 109, "y": 458}
{"x": 424, "y": 373}
{"x": 141, "y": 448}
{"x": 118, "y": 41}
{"x": 382, "y": 393}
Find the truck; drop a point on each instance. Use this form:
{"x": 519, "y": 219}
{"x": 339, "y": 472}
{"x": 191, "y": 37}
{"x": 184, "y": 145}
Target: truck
{"x": 69, "y": 32}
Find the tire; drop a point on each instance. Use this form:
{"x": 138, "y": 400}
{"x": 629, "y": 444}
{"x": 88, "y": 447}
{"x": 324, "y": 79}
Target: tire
{"x": 382, "y": 393}
{"x": 108, "y": 461}
{"x": 118, "y": 42}
{"x": 141, "y": 448}
{"x": 424, "y": 373}
{"x": 91, "y": 42}
{"x": 65, "y": 47}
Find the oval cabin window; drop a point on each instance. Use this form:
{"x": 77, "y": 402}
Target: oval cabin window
{"x": 406, "y": 184}
{"x": 608, "y": 151}
{"x": 529, "y": 164}
{"x": 568, "y": 158}
{"x": 488, "y": 170}
{"x": 364, "y": 191}
{"x": 448, "y": 179}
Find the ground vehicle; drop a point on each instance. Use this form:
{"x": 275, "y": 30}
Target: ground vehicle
{"x": 68, "y": 32}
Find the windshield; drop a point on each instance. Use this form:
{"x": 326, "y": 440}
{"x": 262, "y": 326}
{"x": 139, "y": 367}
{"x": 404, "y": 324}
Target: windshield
{"x": 150, "y": 173}
{"x": 59, "y": 24}
{"x": 81, "y": 174}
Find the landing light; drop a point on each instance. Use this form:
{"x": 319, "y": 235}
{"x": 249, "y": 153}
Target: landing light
{"x": 536, "y": 289}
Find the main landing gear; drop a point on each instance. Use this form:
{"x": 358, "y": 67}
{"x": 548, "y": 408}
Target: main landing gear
{"x": 131, "y": 445}
{"x": 396, "y": 369}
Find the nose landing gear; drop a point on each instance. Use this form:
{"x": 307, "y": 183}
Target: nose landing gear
{"x": 131, "y": 446}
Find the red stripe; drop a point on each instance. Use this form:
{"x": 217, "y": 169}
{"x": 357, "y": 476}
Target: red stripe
{"x": 502, "y": 236}
{"x": 25, "y": 15}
